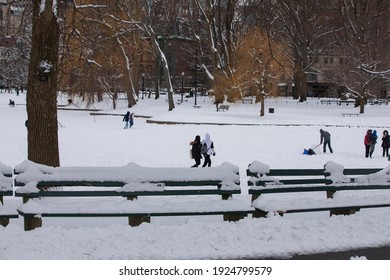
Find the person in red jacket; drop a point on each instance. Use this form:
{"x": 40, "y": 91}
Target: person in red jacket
{"x": 368, "y": 141}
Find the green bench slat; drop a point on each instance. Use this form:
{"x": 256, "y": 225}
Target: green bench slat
{"x": 295, "y": 181}
{"x": 115, "y": 193}
{"x": 315, "y": 172}
{"x": 75, "y": 184}
{"x": 120, "y": 184}
{"x": 290, "y": 172}
{"x": 318, "y": 188}
{"x": 336, "y": 208}
{"x": 288, "y": 190}
{"x": 6, "y": 193}
{"x": 138, "y": 214}
{"x": 361, "y": 171}
{"x": 296, "y": 172}
{"x": 9, "y": 216}
{"x": 190, "y": 183}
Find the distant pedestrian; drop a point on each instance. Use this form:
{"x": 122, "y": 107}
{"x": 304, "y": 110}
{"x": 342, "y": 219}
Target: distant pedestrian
{"x": 126, "y": 119}
{"x": 131, "y": 119}
{"x": 208, "y": 150}
{"x": 325, "y": 138}
{"x": 195, "y": 150}
{"x": 374, "y": 138}
{"x": 385, "y": 143}
{"x": 367, "y": 142}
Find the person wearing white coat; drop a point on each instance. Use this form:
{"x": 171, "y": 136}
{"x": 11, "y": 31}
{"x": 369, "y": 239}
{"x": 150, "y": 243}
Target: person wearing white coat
{"x": 210, "y": 150}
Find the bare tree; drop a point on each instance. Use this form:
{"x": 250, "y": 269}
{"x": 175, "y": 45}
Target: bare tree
{"x": 218, "y": 35}
{"x": 97, "y": 45}
{"x": 303, "y": 27}
{"x": 364, "y": 39}
{"x": 132, "y": 25}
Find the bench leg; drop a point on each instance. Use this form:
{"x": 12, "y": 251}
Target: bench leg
{"x": 234, "y": 217}
{"x": 31, "y": 223}
{"x": 344, "y": 212}
{"x": 4, "y": 222}
{"x": 330, "y": 194}
{"x": 136, "y": 221}
{"x": 226, "y": 196}
{"x": 259, "y": 214}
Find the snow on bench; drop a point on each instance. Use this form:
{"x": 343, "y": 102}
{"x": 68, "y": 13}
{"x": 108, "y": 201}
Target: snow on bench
{"x": 336, "y": 179}
{"x": 129, "y": 181}
{"x": 32, "y": 172}
{"x": 6, "y": 213}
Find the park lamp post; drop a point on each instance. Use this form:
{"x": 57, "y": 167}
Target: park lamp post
{"x": 182, "y": 86}
{"x": 143, "y": 85}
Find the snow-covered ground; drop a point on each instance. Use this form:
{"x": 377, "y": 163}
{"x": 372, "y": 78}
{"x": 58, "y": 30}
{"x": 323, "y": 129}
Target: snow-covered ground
{"x": 276, "y": 139}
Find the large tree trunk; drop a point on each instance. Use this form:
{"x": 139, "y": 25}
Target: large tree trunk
{"x": 42, "y": 87}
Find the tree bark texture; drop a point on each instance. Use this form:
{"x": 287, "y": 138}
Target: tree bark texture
{"x": 42, "y": 87}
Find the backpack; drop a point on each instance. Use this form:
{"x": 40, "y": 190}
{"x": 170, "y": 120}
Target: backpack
{"x": 203, "y": 149}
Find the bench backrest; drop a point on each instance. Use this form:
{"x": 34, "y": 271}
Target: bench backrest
{"x": 124, "y": 181}
{"x": 289, "y": 177}
{"x": 299, "y": 176}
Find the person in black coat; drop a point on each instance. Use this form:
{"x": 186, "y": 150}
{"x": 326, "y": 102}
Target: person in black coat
{"x": 126, "y": 119}
{"x": 385, "y": 143}
{"x": 195, "y": 150}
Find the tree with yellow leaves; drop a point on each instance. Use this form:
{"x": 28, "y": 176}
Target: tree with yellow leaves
{"x": 258, "y": 63}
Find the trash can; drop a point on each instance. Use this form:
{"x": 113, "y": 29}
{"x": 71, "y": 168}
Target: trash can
{"x": 271, "y": 110}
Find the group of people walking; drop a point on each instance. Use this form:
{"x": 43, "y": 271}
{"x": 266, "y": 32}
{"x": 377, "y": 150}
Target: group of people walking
{"x": 370, "y": 140}
{"x": 203, "y": 147}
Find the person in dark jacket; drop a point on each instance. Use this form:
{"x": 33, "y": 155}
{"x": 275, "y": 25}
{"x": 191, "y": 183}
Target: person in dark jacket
{"x": 325, "y": 138}
{"x": 385, "y": 143}
{"x": 195, "y": 150}
{"x": 126, "y": 119}
{"x": 131, "y": 119}
{"x": 374, "y": 138}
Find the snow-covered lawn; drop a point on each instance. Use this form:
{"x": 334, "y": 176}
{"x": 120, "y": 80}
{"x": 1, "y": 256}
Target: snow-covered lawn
{"x": 277, "y": 139}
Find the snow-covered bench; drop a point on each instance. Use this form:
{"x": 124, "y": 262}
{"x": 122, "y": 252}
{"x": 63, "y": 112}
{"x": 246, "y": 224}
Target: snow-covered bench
{"x": 130, "y": 181}
{"x": 223, "y": 107}
{"x": 6, "y": 213}
{"x": 247, "y": 100}
{"x": 299, "y": 190}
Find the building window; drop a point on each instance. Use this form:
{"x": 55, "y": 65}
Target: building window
{"x": 312, "y": 77}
